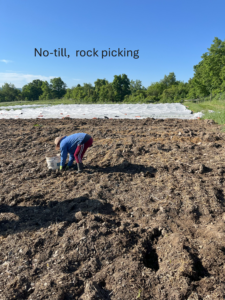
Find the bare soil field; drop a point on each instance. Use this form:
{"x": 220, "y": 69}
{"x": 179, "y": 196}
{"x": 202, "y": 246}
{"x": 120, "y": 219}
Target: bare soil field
{"x": 145, "y": 219}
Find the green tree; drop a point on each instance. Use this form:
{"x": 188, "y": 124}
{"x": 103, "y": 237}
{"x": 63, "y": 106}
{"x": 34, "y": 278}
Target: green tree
{"x": 155, "y": 90}
{"x": 121, "y": 87}
{"x": 210, "y": 72}
{"x": 78, "y": 93}
{"x": 68, "y": 94}
{"x": 9, "y": 93}
{"x": 32, "y": 90}
{"x": 106, "y": 93}
{"x": 47, "y": 93}
{"x": 135, "y": 85}
{"x": 193, "y": 91}
{"x": 169, "y": 80}
{"x": 88, "y": 88}
{"x": 58, "y": 87}
{"x": 99, "y": 83}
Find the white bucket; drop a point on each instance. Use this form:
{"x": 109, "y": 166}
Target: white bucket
{"x": 53, "y": 162}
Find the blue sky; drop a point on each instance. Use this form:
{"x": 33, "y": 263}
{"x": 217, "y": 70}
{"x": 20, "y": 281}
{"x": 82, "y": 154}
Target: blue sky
{"x": 171, "y": 36}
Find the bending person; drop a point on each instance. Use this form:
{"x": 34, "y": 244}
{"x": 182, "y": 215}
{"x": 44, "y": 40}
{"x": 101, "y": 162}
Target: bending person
{"x": 76, "y": 145}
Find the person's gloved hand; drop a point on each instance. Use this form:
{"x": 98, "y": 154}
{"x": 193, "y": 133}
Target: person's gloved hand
{"x": 61, "y": 168}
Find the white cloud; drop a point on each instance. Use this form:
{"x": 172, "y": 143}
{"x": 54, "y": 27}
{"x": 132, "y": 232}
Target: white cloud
{"x": 19, "y": 79}
{"x": 6, "y": 61}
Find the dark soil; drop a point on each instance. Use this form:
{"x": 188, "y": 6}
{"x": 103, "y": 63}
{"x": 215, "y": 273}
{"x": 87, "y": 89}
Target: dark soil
{"x": 145, "y": 220}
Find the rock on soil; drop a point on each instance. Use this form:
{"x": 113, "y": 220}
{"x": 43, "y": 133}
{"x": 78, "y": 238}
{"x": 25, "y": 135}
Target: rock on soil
{"x": 145, "y": 219}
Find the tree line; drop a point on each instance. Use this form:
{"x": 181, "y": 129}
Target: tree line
{"x": 208, "y": 79}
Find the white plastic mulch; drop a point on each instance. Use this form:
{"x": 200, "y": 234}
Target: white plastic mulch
{"x": 90, "y": 111}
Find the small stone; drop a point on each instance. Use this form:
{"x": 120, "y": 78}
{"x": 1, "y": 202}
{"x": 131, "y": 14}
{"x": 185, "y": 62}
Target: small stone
{"x": 163, "y": 232}
{"x": 162, "y": 209}
{"x": 79, "y": 215}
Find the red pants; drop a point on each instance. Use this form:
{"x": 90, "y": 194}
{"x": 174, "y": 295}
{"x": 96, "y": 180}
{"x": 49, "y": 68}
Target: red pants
{"x": 81, "y": 149}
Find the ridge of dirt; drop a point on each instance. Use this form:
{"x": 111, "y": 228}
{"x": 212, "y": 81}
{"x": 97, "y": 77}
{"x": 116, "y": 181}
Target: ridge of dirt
{"x": 145, "y": 220}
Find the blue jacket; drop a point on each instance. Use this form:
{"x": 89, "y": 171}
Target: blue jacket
{"x": 69, "y": 145}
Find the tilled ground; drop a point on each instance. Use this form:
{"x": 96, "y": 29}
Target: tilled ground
{"x": 145, "y": 220}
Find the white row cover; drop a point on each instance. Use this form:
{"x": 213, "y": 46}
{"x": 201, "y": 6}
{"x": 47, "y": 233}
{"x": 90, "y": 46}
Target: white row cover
{"x": 90, "y": 111}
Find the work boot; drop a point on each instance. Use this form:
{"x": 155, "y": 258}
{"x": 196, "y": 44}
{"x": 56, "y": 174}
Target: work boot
{"x": 80, "y": 167}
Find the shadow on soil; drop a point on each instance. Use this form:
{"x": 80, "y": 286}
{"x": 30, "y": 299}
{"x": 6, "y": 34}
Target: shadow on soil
{"x": 124, "y": 168}
{"x": 36, "y": 217}
{"x": 199, "y": 270}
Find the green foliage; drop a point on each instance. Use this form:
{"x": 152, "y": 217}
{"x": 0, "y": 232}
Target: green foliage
{"x": 47, "y": 92}
{"x": 8, "y": 93}
{"x": 155, "y": 90}
{"x": 76, "y": 93}
{"x": 99, "y": 83}
{"x": 139, "y": 294}
{"x": 38, "y": 125}
{"x": 210, "y": 72}
{"x": 169, "y": 80}
{"x": 58, "y": 87}
{"x": 175, "y": 93}
{"x": 135, "y": 86}
{"x": 32, "y": 90}
{"x": 107, "y": 93}
{"x": 121, "y": 87}
{"x": 137, "y": 97}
